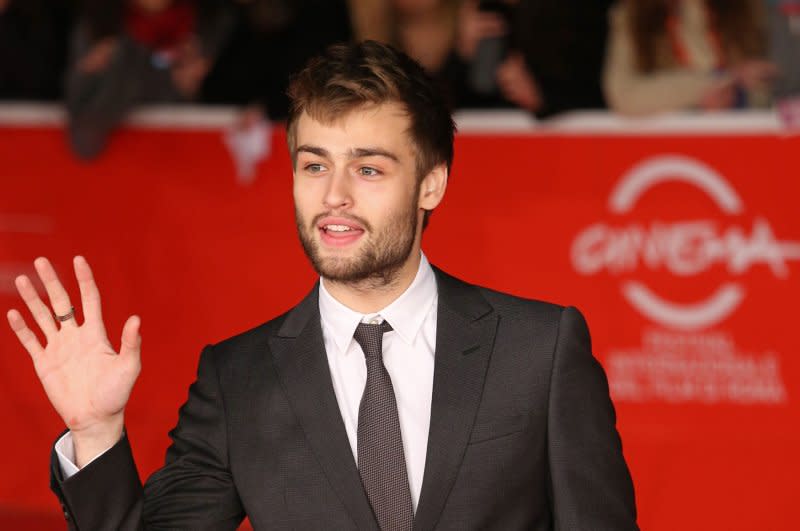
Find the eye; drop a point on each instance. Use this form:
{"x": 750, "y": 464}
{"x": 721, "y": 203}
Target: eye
{"x": 314, "y": 168}
{"x": 368, "y": 171}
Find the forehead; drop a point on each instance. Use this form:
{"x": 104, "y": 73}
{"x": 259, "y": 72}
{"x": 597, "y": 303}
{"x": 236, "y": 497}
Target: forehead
{"x": 385, "y": 124}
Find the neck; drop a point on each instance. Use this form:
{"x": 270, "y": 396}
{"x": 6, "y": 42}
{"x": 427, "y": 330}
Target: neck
{"x": 373, "y": 294}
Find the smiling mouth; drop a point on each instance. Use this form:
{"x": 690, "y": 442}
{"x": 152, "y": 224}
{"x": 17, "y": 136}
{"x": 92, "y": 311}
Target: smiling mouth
{"x": 337, "y": 229}
{"x": 335, "y": 235}
{"x": 340, "y": 231}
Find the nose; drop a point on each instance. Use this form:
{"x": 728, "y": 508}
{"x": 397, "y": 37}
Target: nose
{"x": 338, "y": 193}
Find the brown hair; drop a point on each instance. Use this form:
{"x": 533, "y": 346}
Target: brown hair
{"x": 738, "y": 23}
{"x": 349, "y": 76}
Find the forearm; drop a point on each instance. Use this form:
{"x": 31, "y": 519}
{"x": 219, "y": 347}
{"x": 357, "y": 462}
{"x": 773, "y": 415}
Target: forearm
{"x": 665, "y": 91}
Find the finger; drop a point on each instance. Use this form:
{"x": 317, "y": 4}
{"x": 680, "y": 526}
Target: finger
{"x": 131, "y": 344}
{"x": 501, "y": 74}
{"x": 90, "y": 295}
{"x": 24, "y": 334}
{"x": 39, "y": 310}
{"x": 59, "y": 299}
{"x": 505, "y": 75}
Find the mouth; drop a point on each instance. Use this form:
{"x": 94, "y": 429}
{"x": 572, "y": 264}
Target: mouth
{"x": 339, "y": 232}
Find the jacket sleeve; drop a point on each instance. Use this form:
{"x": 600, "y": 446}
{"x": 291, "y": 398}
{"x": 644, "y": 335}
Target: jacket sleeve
{"x": 193, "y": 490}
{"x": 105, "y": 494}
{"x": 591, "y": 486}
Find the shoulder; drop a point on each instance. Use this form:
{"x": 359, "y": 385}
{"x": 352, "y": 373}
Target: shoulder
{"x": 289, "y": 323}
{"x": 254, "y": 336}
{"x": 541, "y": 318}
{"x": 509, "y": 302}
{"x": 505, "y": 305}
{"x": 243, "y": 350}
{"x": 254, "y": 343}
{"x": 530, "y": 334}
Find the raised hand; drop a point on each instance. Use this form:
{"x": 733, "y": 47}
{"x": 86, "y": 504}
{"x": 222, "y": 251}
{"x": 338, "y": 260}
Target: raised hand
{"x": 86, "y": 380}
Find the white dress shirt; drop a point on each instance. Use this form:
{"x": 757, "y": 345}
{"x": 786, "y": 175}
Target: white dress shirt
{"x": 408, "y": 354}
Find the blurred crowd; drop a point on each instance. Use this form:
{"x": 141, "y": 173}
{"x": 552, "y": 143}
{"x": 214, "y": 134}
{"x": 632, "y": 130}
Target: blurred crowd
{"x": 103, "y": 58}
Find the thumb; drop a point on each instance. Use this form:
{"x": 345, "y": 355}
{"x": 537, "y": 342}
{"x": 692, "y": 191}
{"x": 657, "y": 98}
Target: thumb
{"x": 131, "y": 344}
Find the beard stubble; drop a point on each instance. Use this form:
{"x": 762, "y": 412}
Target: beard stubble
{"x": 377, "y": 261}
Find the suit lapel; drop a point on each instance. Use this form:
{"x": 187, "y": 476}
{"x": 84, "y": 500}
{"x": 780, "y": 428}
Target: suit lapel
{"x": 466, "y": 326}
{"x": 302, "y": 367}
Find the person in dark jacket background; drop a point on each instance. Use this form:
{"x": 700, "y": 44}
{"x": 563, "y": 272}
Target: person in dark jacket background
{"x": 544, "y": 56}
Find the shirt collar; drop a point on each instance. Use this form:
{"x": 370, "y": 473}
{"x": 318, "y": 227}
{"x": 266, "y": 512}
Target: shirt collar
{"x": 406, "y": 313}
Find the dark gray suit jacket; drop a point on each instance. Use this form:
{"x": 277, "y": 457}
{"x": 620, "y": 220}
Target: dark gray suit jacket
{"x": 522, "y": 433}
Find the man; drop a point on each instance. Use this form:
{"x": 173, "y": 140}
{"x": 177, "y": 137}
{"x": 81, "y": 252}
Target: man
{"x": 393, "y": 397}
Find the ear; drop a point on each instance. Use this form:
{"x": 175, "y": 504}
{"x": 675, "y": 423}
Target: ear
{"x": 432, "y": 188}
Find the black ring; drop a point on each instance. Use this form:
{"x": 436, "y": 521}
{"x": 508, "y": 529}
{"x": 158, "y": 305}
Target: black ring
{"x": 66, "y": 317}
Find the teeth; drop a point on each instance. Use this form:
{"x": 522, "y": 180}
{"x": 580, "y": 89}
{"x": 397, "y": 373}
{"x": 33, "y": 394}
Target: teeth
{"x": 337, "y": 228}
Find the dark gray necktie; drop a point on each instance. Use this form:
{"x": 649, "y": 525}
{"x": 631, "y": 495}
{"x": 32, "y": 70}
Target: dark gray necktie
{"x": 381, "y": 461}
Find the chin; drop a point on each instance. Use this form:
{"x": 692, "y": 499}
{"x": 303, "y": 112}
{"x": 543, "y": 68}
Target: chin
{"x": 337, "y": 267}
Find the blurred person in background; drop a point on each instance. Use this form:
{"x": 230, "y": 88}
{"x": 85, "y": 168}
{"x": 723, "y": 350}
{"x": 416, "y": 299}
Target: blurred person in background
{"x": 544, "y": 56}
{"x": 783, "y": 24}
{"x": 129, "y": 52}
{"x": 33, "y": 40}
{"x": 272, "y": 39}
{"x": 425, "y": 30}
{"x": 668, "y": 55}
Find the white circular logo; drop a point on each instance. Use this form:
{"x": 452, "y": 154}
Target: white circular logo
{"x": 683, "y": 248}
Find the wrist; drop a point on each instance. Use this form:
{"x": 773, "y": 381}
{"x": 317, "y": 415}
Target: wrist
{"x": 93, "y": 440}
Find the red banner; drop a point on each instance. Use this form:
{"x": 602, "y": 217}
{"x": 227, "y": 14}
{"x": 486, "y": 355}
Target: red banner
{"x": 682, "y": 249}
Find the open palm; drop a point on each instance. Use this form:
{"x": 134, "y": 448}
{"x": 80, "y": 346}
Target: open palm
{"x": 87, "y": 382}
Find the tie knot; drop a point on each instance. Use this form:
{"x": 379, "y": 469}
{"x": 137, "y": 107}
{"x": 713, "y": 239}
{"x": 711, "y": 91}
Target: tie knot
{"x": 370, "y": 337}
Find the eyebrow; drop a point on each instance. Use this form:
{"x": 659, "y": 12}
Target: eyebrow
{"x": 372, "y": 152}
{"x": 354, "y": 153}
{"x": 314, "y": 150}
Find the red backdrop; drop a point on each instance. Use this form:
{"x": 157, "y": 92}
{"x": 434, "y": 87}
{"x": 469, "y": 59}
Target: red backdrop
{"x": 682, "y": 251}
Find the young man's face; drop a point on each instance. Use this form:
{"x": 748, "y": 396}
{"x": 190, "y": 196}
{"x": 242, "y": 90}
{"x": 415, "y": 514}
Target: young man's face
{"x": 356, "y": 193}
